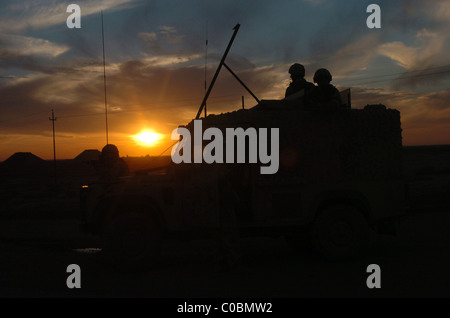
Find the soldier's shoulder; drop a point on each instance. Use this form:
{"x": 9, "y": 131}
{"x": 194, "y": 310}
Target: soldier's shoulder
{"x": 332, "y": 88}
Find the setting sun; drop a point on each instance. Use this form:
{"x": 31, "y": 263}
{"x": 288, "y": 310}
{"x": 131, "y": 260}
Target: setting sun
{"x": 147, "y": 138}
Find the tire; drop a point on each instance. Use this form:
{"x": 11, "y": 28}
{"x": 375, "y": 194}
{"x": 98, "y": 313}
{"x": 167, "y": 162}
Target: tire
{"x": 132, "y": 242}
{"x": 340, "y": 232}
{"x": 300, "y": 242}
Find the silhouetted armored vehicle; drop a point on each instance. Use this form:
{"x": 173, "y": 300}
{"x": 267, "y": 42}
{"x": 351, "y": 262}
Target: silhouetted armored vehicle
{"x": 339, "y": 177}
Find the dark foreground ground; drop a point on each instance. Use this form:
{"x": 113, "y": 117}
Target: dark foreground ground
{"x": 35, "y": 254}
{"x": 39, "y": 238}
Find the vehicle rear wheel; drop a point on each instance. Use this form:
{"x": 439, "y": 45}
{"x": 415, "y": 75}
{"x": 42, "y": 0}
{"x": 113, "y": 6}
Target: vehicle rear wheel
{"x": 132, "y": 242}
{"x": 340, "y": 232}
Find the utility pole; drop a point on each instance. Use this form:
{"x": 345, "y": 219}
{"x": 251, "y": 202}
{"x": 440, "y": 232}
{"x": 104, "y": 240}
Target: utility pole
{"x": 53, "y": 119}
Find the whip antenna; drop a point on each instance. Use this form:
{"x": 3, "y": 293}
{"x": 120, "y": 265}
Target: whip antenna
{"x": 206, "y": 59}
{"x": 104, "y": 80}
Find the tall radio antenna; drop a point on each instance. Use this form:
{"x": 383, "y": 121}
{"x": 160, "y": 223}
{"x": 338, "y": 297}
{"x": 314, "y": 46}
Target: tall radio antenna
{"x": 104, "y": 80}
{"x": 206, "y": 59}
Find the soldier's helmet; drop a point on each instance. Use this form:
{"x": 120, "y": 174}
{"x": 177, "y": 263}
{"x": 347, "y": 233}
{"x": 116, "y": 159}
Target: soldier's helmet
{"x": 322, "y": 75}
{"x": 297, "y": 70}
{"x": 110, "y": 151}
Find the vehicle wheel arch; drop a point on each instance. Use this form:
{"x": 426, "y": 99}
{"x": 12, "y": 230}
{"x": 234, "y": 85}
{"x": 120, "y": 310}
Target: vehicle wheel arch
{"x": 351, "y": 198}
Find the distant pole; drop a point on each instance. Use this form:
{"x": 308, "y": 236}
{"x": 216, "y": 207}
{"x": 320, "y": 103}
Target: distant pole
{"x": 53, "y": 119}
{"x": 243, "y": 106}
{"x": 104, "y": 80}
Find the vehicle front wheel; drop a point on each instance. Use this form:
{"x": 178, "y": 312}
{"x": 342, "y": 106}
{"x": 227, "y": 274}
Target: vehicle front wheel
{"x": 340, "y": 232}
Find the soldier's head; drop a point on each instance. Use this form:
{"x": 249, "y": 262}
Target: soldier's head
{"x": 322, "y": 77}
{"x": 297, "y": 71}
{"x": 110, "y": 152}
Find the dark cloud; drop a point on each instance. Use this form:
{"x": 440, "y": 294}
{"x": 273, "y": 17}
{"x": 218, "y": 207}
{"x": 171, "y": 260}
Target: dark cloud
{"x": 82, "y": 45}
{"x": 436, "y": 102}
{"x": 427, "y": 78}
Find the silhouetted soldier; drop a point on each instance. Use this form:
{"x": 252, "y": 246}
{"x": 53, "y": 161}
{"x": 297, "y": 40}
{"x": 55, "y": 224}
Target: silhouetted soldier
{"x": 110, "y": 165}
{"x": 324, "y": 95}
{"x": 299, "y": 87}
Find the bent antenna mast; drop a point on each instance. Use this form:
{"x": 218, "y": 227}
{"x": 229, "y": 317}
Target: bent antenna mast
{"x": 222, "y": 63}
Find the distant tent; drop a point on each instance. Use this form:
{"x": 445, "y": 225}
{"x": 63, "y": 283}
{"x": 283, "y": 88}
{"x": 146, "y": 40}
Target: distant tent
{"x": 88, "y": 155}
{"x": 23, "y": 159}
{"x": 23, "y": 163}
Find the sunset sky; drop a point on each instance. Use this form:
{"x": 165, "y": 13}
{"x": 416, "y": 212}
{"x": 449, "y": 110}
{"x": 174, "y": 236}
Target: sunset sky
{"x": 155, "y": 65}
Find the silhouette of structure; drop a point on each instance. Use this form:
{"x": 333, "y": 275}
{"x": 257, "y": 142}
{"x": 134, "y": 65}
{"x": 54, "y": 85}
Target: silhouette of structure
{"x": 23, "y": 159}
{"x": 88, "y": 155}
{"x": 24, "y": 164}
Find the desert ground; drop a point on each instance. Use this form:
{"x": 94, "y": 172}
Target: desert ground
{"x": 39, "y": 238}
{"x": 35, "y": 255}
